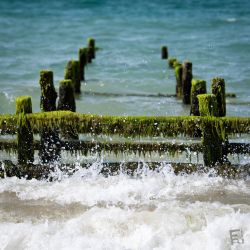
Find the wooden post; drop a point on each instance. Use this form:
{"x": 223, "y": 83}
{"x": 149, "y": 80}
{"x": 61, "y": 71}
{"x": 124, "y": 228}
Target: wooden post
{"x": 171, "y": 62}
{"x": 213, "y": 133}
{"x": 25, "y": 149}
{"x": 178, "y": 76}
{"x": 91, "y": 48}
{"x": 198, "y": 87}
{"x": 186, "y": 81}
{"x": 66, "y": 96}
{"x": 49, "y": 143}
{"x": 164, "y": 52}
{"x": 67, "y": 102}
{"x": 72, "y": 72}
{"x": 83, "y": 53}
{"x": 218, "y": 89}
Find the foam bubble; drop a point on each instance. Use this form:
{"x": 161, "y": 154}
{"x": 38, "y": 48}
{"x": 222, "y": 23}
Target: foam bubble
{"x": 155, "y": 210}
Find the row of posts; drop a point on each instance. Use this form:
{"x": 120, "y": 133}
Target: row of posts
{"x": 194, "y": 92}
{"x": 202, "y": 105}
{"x": 49, "y": 138}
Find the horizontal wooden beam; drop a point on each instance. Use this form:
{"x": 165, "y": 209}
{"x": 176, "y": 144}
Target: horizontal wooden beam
{"x": 128, "y": 126}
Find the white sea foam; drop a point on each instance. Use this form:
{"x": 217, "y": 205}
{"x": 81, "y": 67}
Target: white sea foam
{"x": 151, "y": 211}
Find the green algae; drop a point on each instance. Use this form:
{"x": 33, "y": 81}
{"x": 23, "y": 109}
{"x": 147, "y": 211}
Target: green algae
{"x": 23, "y": 104}
{"x": 91, "y": 48}
{"x": 83, "y": 60}
{"x": 25, "y": 148}
{"x": 48, "y": 93}
{"x": 72, "y": 72}
{"x": 178, "y": 76}
{"x": 131, "y": 126}
{"x": 171, "y": 62}
{"x": 198, "y": 87}
{"x": 207, "y": 105}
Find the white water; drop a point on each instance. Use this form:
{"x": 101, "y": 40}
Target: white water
{"x": 154, "y": 210}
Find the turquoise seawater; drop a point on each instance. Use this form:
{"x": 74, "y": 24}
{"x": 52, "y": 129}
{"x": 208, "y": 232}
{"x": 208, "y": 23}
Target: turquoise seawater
{"x": 38, "y": 35}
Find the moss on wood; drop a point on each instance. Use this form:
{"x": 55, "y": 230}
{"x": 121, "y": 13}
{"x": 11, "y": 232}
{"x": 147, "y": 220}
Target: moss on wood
{"x": 218, "y": 89}
{"x": 48, "y": 93}
{"x": 72, "y": 72}
{"x": 207, "y": 105}
{"x": 91, "y": 48}
{"x": 83, "y": 60}
{"x": 171, "y": 62}
{"x": 198, "y": 87}
{"x": 132, "y": 126}
{"x": 187, "y": 77}
{"x": 25, "y": 148}
{"x": 178, "y": 76}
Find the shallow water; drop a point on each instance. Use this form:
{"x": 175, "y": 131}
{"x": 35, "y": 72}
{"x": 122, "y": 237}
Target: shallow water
{"x": 153, "y": 210}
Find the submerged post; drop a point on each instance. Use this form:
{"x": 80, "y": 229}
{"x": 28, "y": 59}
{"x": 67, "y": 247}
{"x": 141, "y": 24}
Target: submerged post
{"x": 186, "y": 81}
{"x": 198, "y": 87}
{"x": 72, "y": 72}
{"x": 91, "y": 49}
{"x": 67, "y": 102}
{"x": 164, "y": 52}
{"x": 213, "y": 133}
{"x": 178, "y": 76}
{"x": 49, "y": 143}
{"x": 83, "y": 57}
{"x": 218, "y": 89}
{"x": 25, "y": 149}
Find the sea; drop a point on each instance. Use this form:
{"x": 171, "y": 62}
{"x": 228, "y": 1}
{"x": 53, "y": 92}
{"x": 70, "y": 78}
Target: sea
{"x": 149, "y": 209}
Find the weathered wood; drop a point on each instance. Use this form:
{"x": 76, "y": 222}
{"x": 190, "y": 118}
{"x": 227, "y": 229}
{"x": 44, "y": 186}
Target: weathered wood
{"x": 218, "y": 89}
{"x": 186, "y": 81}
{"x": 25, "y": 150}
{"x": 67, "y": 102}
{"x": 198, "y": 87}
{"x": 83, "y": 59}
{"x": 66, "y": 96}
{"x": 50, "y": 143}
{"x": 91, "y": 49}
{"x": 213, "y": 136}
{"x": 72, "y": 72}
{"x": 178, "y": 76}
{"x": 164, "y": 52}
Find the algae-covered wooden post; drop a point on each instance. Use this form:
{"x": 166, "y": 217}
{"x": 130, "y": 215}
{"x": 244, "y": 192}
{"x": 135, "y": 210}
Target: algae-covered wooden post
{"x": 178, "y": 76}
{"x": 186, "y": 81}
{"x": 171, "y": 62}
{"x": 83, "y": 53}
{"x": 198, "y": 87}
{"x": 72, "y": 72}
{"x": 164, "y": 52}
{"x": 66, "y": 96}
{"x": 91, "y": 49}
{"x": 25, "y": 149}
{"x": 67, "y": 102}
{"x": 218, "y": 89}
{"x": 213, "y": 133}
{"x": 50, "y": 143}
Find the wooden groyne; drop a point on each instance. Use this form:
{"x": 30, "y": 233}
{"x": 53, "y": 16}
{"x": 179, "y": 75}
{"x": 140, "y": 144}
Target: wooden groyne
{"x": 60, "y": 128}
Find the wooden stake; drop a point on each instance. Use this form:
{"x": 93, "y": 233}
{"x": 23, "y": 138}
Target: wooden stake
{"x": 186, "y": 81}
{"x": 25, "y": 148}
